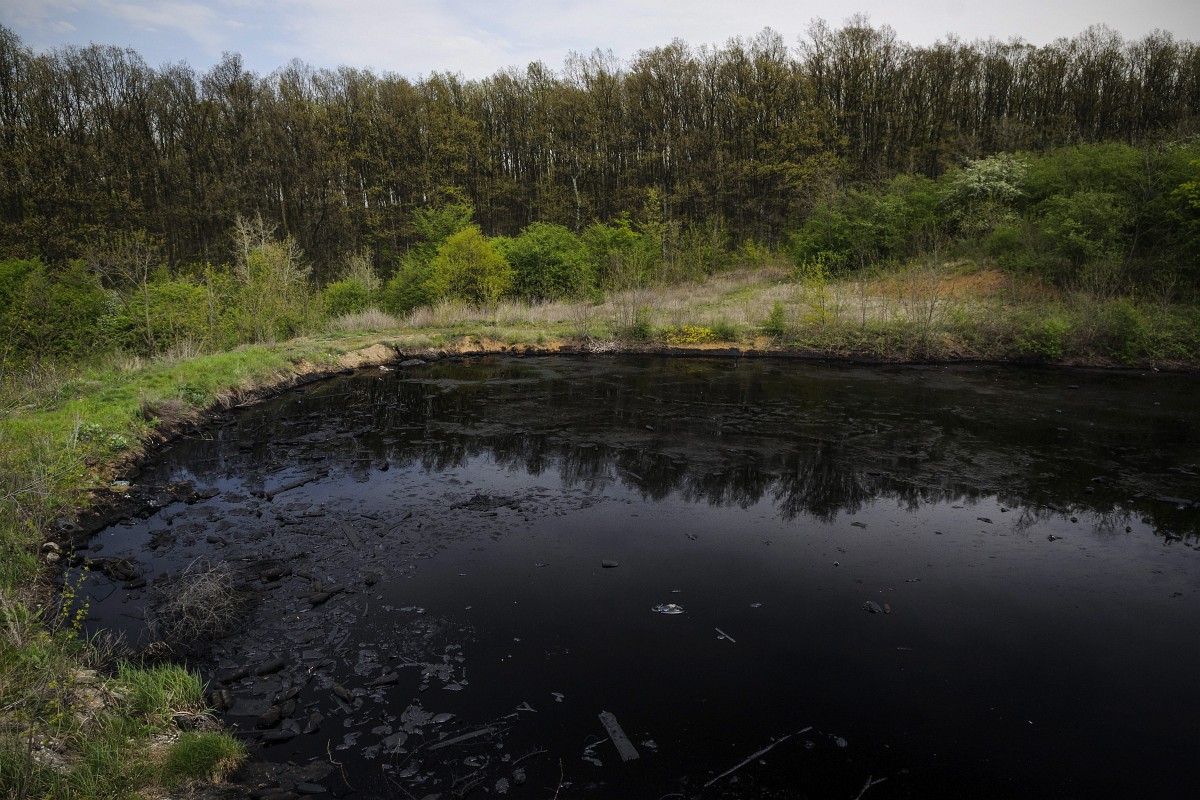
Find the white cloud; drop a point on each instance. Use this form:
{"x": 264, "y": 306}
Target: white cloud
{"x": 197, "y": 21}
{"x": 36, "y": 15}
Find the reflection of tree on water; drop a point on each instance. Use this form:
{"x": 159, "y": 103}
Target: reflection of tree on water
{"x": 727, "y": 437}
{"x": 817, "y": 481}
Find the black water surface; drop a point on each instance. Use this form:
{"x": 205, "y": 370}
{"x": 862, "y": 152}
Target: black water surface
{"x": 1029, "y": 539}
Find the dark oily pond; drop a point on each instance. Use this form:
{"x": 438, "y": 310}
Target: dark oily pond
{"x": 637, "y": 577}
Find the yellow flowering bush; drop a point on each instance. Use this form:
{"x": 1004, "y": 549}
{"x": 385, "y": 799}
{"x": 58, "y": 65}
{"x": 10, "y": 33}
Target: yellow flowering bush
{"x": 688, "y": 334}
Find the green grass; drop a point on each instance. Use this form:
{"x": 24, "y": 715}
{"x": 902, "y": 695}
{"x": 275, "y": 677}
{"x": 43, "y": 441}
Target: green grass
{"x": 102, "y": 729}
{"x": 201, "y": 756}
{"x": 159, "y": 692}
{"x": 111, "y": 761}
{"x": 24, "y": 777}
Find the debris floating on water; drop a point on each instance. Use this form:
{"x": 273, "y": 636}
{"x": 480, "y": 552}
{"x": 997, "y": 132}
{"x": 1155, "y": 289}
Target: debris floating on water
{"x": 619, "y": 739}
{"x": 668, "y": 608}
{"x": 871, "y": 607}
{"x": 724, "y": 635}
{"x": 462, "y": 738}
{"x": 609, "y": 564}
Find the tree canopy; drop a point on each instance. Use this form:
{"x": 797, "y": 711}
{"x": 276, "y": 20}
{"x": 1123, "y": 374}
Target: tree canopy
{"x": 746, "y": 138}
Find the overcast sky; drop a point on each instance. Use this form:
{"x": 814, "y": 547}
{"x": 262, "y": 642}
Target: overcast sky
{"x": 479, "y": 38}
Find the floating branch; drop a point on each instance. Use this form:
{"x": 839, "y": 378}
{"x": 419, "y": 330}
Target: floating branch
{"x": 754, "y": 755}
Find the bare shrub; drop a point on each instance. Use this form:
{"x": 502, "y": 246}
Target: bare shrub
{"x": 184, "y": 349}
{"x": 582, "y": 315}
{"x": 199, "y": 605}
{"x": 924, "y": 299}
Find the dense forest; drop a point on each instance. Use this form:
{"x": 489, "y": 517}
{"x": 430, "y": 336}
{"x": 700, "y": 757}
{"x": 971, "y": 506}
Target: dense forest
{"x": 126, "y": 186}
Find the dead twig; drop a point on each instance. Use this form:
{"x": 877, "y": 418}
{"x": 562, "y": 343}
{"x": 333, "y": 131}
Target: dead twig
{"x": 868, "y": 785}
{"x": 338, "y": 764}
{"x": 754, "y": 755}
{"x": 561, "y": 776}
{"x": 530, "y": 754}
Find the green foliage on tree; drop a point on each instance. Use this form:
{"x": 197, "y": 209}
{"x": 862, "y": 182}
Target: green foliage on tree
{"x": 13, "y": 274}
{"x": 470, "y": 269}
{"x": 618, "y": 256}
{"x": 1086, "y": 226}
{"x": 54, "y": 313}
{"x": 746, "y": 138}
{"x": 862, "y": 226}
{"x": 435, "y": 224}
{"x": 1068, "y": 160}
{"x": 1184, "y": 211}
{"x": 986, "y": 194}
{"x": 409, "y": 287}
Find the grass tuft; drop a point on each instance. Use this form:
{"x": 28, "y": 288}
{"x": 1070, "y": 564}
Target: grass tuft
{"x": 202, "y": 756}
{"x": 158, "y": 693}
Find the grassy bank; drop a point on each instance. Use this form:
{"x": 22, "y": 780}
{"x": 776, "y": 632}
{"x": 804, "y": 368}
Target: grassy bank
{"x": 83, "y": 719}
{"x": 87, "y": 718}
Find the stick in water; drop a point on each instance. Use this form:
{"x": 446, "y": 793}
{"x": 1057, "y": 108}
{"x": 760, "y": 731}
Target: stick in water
{"x": 755, "y": 755}
{"x": 868, "y": 785}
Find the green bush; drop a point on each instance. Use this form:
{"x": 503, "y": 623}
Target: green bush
{"x": 348, "y": 296}
{"x": 617, "y": 256}
{"x": 640, "y": 331}
{"x": 776, "y": 323}
{"x": 1041, "y": 338}
{"x": 409, "y": 287}
{"x": 13, "y": 274}
{"x": 274, "y": 298}
{"x": 469, "y": 268}
{"x": 1123, "y": 330}
{"x": 867, "y": 225}
{"x": 548, "y": 261}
